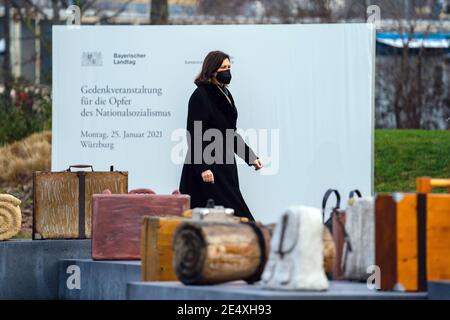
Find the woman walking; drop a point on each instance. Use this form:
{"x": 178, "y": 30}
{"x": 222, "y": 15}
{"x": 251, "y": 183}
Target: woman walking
{"x": 210, "y": 170}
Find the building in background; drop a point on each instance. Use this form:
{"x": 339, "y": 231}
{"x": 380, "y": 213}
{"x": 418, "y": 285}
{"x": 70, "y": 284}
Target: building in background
{"x": 413, "y": 80}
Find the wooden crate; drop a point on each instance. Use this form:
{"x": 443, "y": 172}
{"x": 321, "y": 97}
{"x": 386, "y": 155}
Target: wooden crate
{"x": 156, "y": 248}
{"x": 63, "y": 201}
{"x": 412, "y": 240}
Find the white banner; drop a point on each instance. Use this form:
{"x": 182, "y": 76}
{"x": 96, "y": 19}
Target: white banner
{"x": 304, "y": 94}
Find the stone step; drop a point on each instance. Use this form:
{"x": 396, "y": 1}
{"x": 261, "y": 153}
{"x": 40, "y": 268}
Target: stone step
{"x": 29, "y": 268}
{"x": 338, "y": 290}
{"x": 439, "y": 290}
{"x": 62, "y": 269}
{"x": 85, "y": 279}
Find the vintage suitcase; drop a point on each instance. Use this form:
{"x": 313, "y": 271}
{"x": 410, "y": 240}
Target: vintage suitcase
{"x": 336, "y": 226}
{"x": 157, "y": 235}
{"x": 341, "y": 241}
{"x": 213, "y": 252}
{"x": 335, "y": 210}
{"x": 329, "y": 252}
{"x": 347, "y": 260}
{"x": 63, "y": 200}
{"x": 360, "y": 227}
{"x": 156, "y": 248}
{"x": 341, "y": 237}
{"x": 412, "y": 240}
{"x": 336, "y": 216}
{"x": 214, "y": 213}
{"x": 117, "y": 220}
{"x": 296, "y": 256}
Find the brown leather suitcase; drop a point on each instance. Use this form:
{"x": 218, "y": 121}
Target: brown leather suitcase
{"x": 117, "y": 220}
{"x": 340, "y": 238}
{"x": 337, "y": 224}
{"x": 62, "y": 201}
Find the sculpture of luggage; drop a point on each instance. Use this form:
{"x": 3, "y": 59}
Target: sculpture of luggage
{"x": 350, "y": 262}
{"x": 360, "y": 226}
{"x": 157, "y": 236}
{"x": 156, "y": 248}
{"x": 426, "y": 184}
{"x": 10, "y": 216}
{"x": 117, "y": 220}
{"x": 342, "y": 239}
{"x": 334, "y": 230}
{"x": 211, "y": 252}
{"x": 296, "y": 259}
{"x": 215, "y": 213}
{"x": 413, "y": 237}
{"x": 62, "y": 201}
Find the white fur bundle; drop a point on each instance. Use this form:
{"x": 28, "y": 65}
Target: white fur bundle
{"x": 299, "y": 263}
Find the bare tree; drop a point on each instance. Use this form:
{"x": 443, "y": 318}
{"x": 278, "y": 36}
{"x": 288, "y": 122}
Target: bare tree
{"x": 33, "y": 14}
{"x": 355, "y": 9}
{"x": 217, "y": 8}
{"x": 322, "y": 10}
{"x": 159, "y": 12}
{"x": 411, "y": 79}
{"x": 6, "y": 67}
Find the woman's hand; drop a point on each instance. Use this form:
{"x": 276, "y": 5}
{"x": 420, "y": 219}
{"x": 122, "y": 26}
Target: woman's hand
{"x": 258, "y": 164}
{"x": 208, "y": 176}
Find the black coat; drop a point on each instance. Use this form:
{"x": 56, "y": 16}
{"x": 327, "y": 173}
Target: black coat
{"x": 209, "y": 105}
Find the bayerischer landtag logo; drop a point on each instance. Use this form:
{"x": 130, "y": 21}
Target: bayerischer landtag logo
{"x": 92, "y": 59}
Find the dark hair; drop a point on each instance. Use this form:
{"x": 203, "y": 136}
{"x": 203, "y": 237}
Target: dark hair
{"x": 213, "y": 61}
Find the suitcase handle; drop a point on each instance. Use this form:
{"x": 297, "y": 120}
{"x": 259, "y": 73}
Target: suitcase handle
{"x": 426, "y": 185}
{"x": 325, "y": 199}
{"x": 80, "y": 166}
{"x": 353, "y": 192}
{"x": 142, "y": 191}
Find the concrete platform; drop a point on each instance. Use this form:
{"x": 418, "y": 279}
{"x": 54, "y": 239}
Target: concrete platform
{"x": 29, "y": 268}
{"x": 62, "y": 269}
{"x": 85, "y": 279}
{"x": 439, "y": 290}
{"x": 242, "y": 291}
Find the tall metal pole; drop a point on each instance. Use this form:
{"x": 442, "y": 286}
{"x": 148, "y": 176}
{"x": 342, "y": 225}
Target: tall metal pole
{"x": 7, "y": 77}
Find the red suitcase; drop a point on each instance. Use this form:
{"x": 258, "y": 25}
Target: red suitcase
{"x": 117, "y": 220}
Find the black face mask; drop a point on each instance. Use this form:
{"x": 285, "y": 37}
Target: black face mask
{"x": 224, "y": 76}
